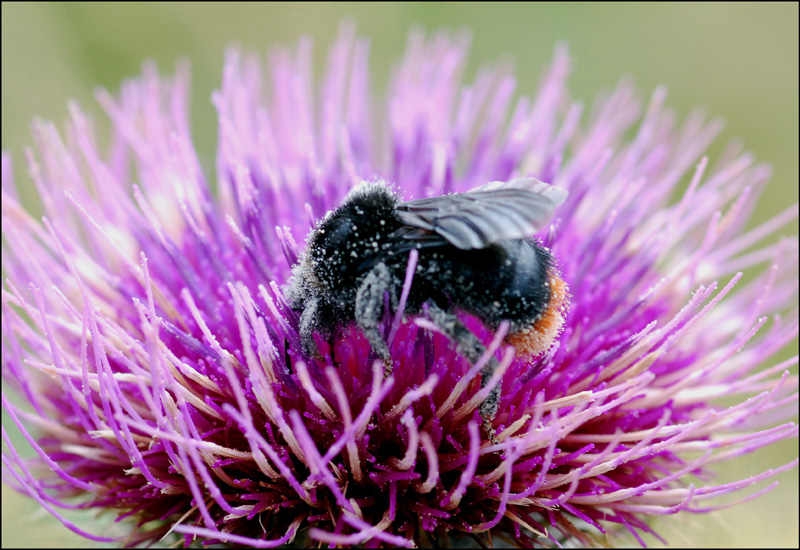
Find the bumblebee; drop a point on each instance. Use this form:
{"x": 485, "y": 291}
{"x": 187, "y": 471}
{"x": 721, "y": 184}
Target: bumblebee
{"x": 475, "y": 256}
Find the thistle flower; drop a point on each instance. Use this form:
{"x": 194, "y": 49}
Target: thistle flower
{"x": 145, "y": 323}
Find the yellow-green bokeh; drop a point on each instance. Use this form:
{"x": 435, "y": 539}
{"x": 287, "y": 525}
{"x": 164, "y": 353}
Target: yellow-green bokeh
{"x": 740, "y": 61}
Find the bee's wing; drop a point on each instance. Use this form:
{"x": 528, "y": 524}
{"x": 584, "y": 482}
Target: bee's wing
{"x": 491, "y": 213}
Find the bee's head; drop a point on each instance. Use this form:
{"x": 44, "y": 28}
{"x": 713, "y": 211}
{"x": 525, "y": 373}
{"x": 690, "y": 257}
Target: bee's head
{"x": 343, "y": 239}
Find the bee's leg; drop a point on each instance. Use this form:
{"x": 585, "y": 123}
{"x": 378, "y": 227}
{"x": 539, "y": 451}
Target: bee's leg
{"x": 470, "y": 347}
{"x": 286, "y": 357}
{"x": 369, "y": 308}
{"x": 308, "y": 324}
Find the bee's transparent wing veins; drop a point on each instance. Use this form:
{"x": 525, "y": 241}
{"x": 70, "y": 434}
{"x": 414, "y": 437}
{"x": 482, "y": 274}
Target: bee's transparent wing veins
{"x": 488, "y": 214}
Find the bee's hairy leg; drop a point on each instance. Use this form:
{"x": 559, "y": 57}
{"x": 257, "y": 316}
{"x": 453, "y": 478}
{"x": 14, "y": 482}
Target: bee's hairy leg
{"x": 470, "y": 347}
{"x": 308, "y": 324}
{"x": 369, "y": 310}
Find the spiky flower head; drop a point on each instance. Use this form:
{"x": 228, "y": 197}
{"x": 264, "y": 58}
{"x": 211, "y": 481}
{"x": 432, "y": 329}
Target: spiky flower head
{"x": 146, "y": 326}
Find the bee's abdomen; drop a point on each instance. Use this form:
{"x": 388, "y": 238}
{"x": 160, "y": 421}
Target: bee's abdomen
{"x": 538, "y": 335}
{"x": 512, "y": 281}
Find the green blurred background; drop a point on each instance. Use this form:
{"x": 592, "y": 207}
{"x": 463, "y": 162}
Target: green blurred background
{"x": 738, "y": 60}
